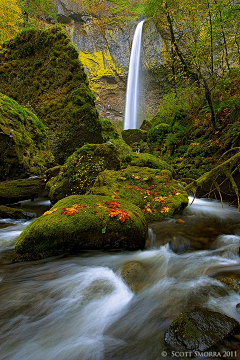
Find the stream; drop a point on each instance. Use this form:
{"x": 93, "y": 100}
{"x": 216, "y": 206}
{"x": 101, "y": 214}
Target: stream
{"x": 79, "y": 308}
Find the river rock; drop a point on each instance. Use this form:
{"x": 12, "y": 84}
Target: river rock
{"x": 15, "y": 213}
{"x": 18, "y": 190}
{"x": 83, "y": 222}
{"x": 134, "y": 275}
{"x": 152, "y": 190}
{"x": 41, "y": 69}
{"x": 24, "y": 145}
{"x": 199, "y": 330}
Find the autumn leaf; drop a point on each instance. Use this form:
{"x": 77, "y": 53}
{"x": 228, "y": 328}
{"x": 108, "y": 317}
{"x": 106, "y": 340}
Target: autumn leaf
{"x": 128, "y": 187}
{"x": 137, "y": 177}
{"x": 49, "y": 212}
{"x": 161, "y": 199}
{"x": 148, "y": 192}
{"x": 167, "y": 183}
{"x": 151, "y": 186}
{"x": 164, "y": 210}
{"x": 180, "y": 221}
{"x": 70, "y": 211}
{"x": 112, "y": 204}
{"x": 137, "y": 188}
{"x": 173, "y": 192}
{"x": 124, "y": 216}
{"x": 132, "y": 176}
{"x": 115, "y": 212}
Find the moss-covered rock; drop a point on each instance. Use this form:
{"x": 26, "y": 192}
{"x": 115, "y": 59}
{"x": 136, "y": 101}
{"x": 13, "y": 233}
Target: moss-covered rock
{"x": 134, "y": 136}
{"x": 83, "y": 222}
{"x": 15, "y": 213}
{"x": 199, "y": 330}
{"x": 41, "y": 69}
{"x": 24, "y": 146}
{"x": 79, "y": 172}
{"x": 23, "y": 189}
{"x": 109, "y": 131}
{"x": 153, "y": 190}
{"x": 148, "y": 160}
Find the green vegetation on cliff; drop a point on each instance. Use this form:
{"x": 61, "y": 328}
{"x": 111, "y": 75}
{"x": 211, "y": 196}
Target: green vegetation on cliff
{"x": 41, "y": 69}
{"x": 24, "y": 145}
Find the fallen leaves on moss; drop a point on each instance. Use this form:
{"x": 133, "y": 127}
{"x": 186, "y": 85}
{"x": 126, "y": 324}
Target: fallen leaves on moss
{"x": 49, "y": 212}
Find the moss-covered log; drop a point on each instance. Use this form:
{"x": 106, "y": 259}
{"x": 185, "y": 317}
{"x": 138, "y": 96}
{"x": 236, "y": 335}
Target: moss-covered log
{"x": 227, "y": 169}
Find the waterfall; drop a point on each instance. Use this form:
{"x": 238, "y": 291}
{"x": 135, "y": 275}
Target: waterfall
{"x": 131, "y": 107}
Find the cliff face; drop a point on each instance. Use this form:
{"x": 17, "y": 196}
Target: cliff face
{"x": 105, "y": 53}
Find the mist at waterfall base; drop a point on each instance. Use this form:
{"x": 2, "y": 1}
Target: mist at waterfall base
{"x": 79, "y": 307}
{"x": 132, "y": 94}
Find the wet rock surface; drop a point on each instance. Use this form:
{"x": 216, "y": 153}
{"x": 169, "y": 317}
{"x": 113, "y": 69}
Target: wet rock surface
{"x": 199, "y": 330}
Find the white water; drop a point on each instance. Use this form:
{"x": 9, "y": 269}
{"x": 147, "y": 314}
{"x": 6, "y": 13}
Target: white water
{"x": 131, "y": 107}
{"x": 79, "y": 308}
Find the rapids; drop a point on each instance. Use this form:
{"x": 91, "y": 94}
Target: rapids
{"x": 79, "y": 308}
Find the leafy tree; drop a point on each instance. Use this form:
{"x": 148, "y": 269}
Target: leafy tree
{"x": 33, "y": 9}
{"x": 203, "y": 35}
{"x": 10, "y": 18}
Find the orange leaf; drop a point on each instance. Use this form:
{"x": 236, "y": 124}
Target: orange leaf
{"x": 112, "y": 204}
{"x": 180, "y": 221}
{"x": 164, "y": 209}
{"x": 148, "y": 192}
{"x": 124, "y": 216}
{"x": 70, "y": 211}
{"x": 50, "y": 211}
{"x": 128, "y": 187}
{"x": 137, "y": 188}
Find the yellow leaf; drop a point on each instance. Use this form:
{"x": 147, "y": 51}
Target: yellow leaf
{"x": 49, "y": 212}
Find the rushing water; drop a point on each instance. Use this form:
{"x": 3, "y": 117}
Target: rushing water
{"x": 131, "y": 107}
{"x": 78, "y": 307}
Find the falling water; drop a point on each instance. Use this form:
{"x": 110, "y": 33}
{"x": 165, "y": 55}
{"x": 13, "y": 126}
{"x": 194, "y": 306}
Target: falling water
{"x": 131, "y": 107}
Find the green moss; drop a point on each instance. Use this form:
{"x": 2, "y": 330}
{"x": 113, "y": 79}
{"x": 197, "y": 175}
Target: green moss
{"x": 148, "y": 160}
{"x": 134, "y": 136}
{"x": 43, "y": 71}
{"x": 153, "y": 190}
{"x": 24, "y": 146}
{"x": 109, "y": 131}
{"x": 15, "y": 190}
{"x": 89, "y": 228}
{"x": 79, "y": 172}
{"x": 14, "y": 213}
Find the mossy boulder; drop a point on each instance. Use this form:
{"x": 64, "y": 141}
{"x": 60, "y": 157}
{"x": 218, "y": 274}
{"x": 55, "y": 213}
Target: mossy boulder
{"x": 158, "y": 133}
{"x": 79, "y": 172}
{"x": 153, "y": 190}
{"x": 83, "y": 222}
{"x": 41, "y": 69}
{"x": 24, "y": 145}
{"x": 109, "y": 131}
{"x": 148, "y": 160}
{"x": 134, "y": 136}
{"x": 23, "y": 189}
{"x": 15, "y": 213}
{"x": 199, "y": 330}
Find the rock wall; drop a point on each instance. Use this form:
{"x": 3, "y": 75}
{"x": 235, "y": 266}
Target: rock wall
{"x": 105, "y": 54}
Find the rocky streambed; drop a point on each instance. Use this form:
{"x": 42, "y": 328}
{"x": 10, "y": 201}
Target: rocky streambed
{"x": 173, "y": 298}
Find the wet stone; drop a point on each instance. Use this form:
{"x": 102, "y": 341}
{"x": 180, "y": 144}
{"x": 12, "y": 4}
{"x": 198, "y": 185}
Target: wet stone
{"x": 199, "y": 330}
